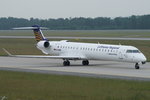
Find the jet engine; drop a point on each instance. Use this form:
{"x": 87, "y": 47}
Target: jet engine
{"x": 43, "y": 44}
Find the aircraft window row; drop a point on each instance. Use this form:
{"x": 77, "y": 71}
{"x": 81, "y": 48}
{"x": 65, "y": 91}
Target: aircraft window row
{"x": 133, "y": 51}
{"x": 89, "y": 49}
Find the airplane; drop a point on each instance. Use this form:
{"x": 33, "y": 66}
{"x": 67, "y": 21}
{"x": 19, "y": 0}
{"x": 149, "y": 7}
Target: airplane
{"x": 67, "y": 51}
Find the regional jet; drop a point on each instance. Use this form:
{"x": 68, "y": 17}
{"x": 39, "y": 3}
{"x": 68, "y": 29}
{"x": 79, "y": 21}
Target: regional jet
{"x": 67, "y": 51}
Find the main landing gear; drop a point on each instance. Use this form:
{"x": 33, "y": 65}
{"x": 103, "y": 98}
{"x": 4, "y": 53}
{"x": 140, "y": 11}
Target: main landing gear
{"x": 137, "y": 66}
{"x": 67, "y": 62}
{"x": 85, "y": 62}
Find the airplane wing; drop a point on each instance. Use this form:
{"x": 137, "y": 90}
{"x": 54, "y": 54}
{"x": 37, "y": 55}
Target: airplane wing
{"x": 50, "y": 57}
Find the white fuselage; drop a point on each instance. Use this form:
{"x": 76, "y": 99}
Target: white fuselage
{"x": 91, "y": 51}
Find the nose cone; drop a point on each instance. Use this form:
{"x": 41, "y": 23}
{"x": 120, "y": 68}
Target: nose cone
{"x": 143, "y": 59}
{"x": 140, "y": 58}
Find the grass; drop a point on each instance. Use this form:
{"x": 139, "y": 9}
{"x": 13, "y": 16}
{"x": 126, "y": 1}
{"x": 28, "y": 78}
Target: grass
{"x": 31, "y": 86}
{"x": 19, "y": 46}
{"x": 27, "y": 46}
{"x": 81, "y": 33}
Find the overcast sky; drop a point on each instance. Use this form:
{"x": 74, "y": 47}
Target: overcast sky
{"x": 73, "y": 8}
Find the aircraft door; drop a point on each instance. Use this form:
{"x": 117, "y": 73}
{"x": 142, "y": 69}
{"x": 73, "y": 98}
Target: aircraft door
{"x": 120, "y": 55}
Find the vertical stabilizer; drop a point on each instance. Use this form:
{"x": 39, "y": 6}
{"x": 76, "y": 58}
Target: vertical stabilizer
{"x": 38, "y": 33}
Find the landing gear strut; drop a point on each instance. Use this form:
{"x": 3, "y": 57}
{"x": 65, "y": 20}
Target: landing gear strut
{"x": 66, "y": 63}
{"x": 85, "y": 62}
{"x": 137, "y": 66}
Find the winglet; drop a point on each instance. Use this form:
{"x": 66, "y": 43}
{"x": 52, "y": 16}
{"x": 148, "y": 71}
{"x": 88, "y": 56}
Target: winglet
{"x": 8, "y": 53}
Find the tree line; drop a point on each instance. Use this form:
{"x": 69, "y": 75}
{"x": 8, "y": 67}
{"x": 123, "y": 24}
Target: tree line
{"x": 80, "y": 23}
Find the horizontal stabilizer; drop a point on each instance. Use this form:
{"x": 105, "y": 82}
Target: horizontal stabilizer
{"x": 37, "y": 32}
{"x": 29, "y": 28}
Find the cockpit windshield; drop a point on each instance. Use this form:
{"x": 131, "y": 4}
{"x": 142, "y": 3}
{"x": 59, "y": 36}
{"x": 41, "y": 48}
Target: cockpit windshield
{"x": 132, "y": 51}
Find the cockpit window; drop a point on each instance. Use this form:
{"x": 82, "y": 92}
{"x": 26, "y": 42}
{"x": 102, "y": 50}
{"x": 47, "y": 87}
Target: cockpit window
{"x": 129, "y": 51}
{"x": 136, "y": 51}
{"x": 133, "y": 51}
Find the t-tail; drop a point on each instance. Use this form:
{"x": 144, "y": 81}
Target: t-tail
{"x": 37, "y": 32}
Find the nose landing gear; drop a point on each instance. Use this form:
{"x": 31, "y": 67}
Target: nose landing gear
{"x": 137, "y": 66}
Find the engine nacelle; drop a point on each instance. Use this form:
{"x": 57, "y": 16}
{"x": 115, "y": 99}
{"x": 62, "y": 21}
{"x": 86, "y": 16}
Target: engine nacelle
{"x": 43, "y": 44}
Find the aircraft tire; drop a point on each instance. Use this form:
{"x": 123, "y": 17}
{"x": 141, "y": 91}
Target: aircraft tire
{"x": 137, "y": 66}
{"x": 85, "y": 62}
{"x": 66, "y": 63}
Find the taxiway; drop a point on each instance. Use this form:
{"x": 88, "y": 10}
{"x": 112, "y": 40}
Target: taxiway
{"x": 103, "y": 69}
